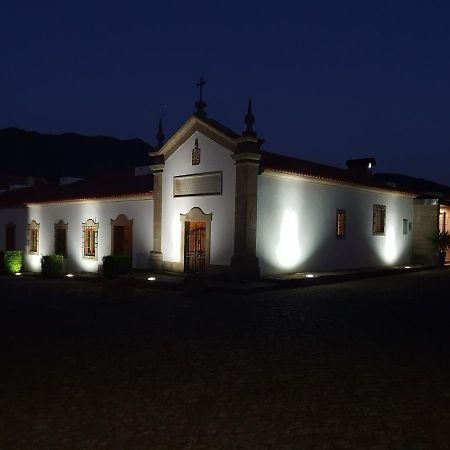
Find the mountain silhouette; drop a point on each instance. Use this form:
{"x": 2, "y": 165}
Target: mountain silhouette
{"x": 71, "y": 155}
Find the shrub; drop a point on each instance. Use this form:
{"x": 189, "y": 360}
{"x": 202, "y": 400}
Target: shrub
{"x": 114, "y": 266}
{"x": 10, "y": 261}
{"x": 52, "y": 266}
{"x": 441, "y": 240}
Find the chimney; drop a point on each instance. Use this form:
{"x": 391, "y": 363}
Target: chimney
{"x": 361, "y": 167}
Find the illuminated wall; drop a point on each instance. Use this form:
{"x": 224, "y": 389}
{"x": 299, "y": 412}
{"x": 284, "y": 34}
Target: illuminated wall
{"x": 141, "y": 211}
{"x": 214, "y": 157}
{"x": 296, "y": 226}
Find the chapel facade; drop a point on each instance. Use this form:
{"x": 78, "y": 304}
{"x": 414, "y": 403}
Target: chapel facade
{"x": 215, "y": 201}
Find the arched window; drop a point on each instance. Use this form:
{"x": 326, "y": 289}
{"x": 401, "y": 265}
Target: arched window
{"x": 33, "y": 238}
{"x": 90, "y": 239}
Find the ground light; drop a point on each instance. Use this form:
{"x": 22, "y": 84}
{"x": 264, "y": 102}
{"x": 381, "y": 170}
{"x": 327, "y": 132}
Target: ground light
{"x": 309, "y": 275}
{"x": 407, "y": 267}
{"x": 69, "y": 275}
{"x": 18, "y": 273}
{"x": 151, "y": 278}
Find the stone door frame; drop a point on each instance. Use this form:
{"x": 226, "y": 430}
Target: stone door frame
{"x": 196, "y": 215}
{"x": 122, "y": 221}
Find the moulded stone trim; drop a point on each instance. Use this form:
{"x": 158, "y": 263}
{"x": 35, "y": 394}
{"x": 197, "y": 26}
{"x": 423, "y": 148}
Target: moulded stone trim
{"x": 192, "y": 125}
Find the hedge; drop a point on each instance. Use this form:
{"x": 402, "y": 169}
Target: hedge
{"x": 51, "y": 266}
{"x": 114, "y": 266}
{"x": 10, "y": 261}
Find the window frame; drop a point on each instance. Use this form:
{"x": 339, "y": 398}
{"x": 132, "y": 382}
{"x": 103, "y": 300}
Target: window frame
{"x": 377, "y": 210}
{"x": 340, "y": 223}
{"x": 33, "y": 238}
{"x": 90, "y": 226}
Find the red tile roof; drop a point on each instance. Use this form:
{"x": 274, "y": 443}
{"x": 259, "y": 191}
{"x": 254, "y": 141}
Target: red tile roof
{"x": 96, "y": 188}
{"x": 296, "y": 166}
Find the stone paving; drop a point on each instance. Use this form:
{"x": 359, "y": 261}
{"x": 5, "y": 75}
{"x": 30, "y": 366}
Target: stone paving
{"x": 357, "y": 365}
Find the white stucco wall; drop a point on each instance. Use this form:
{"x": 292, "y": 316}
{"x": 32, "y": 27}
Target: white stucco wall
{"x": 141, "y": 211}
{"x": 214, "y": 158}
{"x": 296, "y": 228}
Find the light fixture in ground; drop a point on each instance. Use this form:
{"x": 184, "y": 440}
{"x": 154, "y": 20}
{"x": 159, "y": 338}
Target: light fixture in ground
{"x": 309, "y": 275}
{"x": 151, "y": 278}
{"x": 18, "y": 273}
{"x": 69, "y": 275}
{"x": 407, "y": 267}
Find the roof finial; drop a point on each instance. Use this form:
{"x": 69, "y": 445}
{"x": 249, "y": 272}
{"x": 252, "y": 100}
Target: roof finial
{"x": 249, "y": 120}
{"x": 200, "y": 104}
{"x": 160, "y": 135}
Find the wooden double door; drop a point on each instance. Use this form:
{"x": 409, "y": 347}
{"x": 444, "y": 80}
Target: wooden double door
{"x": 195, "y": 247}
{"x": 122, "y": 240}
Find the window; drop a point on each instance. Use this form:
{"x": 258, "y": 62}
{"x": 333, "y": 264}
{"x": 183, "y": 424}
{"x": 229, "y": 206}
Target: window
{"x": 405, "y": 226}
{"x": 33, "y": 238}
{"x": 61, "y": 238}
{"x": 90, "y": 239}
{"x": 10, "y": 233}
{"x": 340, "y": 224}
{"x": 379, "y": 220}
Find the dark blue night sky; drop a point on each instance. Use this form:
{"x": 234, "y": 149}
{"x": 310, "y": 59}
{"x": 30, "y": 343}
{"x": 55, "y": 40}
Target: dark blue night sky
{"x": 330, "y": 80}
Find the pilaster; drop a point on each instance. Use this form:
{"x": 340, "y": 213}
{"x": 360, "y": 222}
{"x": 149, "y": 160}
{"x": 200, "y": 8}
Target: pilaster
{"x": 156, "y": 256}
{"x": 244, "y": 261}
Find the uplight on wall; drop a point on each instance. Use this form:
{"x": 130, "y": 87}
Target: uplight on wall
{"x": 288, "y": 248}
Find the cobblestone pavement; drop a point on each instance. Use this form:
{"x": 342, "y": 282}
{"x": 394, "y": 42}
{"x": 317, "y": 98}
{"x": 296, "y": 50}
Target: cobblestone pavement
{"x": 357, "y": 365}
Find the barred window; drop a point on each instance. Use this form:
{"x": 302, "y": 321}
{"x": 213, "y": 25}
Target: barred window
{"x": 61, "y": 238}
{"x": 379, "y": 220}
{"x": 90, "y": 239}
{"x": 340, "y": 224}
{"x": 33, "y": 238}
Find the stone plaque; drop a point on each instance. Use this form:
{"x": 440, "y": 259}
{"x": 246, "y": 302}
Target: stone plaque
{"x": 199, "y": 184}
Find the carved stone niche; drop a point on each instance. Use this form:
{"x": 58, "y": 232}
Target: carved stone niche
{"x": 196, "y": 153}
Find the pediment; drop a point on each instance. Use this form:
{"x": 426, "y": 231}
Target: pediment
{"x": 192, "y": 125}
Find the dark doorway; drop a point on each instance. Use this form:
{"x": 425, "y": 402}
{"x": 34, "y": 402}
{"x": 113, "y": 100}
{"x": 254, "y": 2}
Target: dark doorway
{"x": 195, "y": 247}
{"x": 122, "y": 240}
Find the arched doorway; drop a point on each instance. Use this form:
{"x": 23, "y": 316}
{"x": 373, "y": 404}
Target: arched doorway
{"x": 195, "y": 240}
{"x": 122, "y": 236}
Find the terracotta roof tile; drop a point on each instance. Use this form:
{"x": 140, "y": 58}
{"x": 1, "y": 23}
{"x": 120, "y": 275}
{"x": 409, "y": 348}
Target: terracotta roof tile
{"x": 97, "y": 188}
{"x": 296, "y": 166}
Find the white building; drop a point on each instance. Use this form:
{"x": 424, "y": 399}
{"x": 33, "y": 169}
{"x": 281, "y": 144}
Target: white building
{"x": 216, "y": 202}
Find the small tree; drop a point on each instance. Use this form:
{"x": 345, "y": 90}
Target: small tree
{"x": 441, "y": 241}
